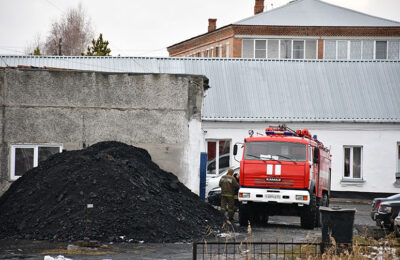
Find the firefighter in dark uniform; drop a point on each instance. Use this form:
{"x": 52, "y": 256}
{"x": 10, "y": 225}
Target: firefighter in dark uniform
{"x": 229, "y": 187}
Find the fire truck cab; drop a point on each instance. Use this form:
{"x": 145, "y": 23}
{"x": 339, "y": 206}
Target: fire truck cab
{"x": 283, "y": 172}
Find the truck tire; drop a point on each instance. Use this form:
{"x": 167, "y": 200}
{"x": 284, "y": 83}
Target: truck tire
{"x": 244, "y": 213}
{"x": 318, "y": 216}
{"x": 309, "y": 214}
{"x": 264, "y": 219}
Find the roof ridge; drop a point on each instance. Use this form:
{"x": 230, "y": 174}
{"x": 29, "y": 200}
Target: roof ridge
{"x": 320, "y": 2}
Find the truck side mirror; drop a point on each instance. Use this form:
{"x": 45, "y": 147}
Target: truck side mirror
{"x": 235, "y": 147}
{"x": 316, "y": 155}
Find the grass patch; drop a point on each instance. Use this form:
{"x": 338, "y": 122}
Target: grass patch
{"x": 76, "y": 252}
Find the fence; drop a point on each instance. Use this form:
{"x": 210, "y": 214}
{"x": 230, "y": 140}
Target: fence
{"x": 275, "y": 250}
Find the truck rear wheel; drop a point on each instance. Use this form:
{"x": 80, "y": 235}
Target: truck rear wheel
{"x": 309, "y": 214}
{"x": 244, "y": 215}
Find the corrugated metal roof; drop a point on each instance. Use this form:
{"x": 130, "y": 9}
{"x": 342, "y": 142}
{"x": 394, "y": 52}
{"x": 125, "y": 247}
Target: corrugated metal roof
{"x": 267, "y": 90}
{"x": 315, "y": 13}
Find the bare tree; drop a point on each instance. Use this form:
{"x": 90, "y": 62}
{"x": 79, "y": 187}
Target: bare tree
{"x": 35, "y": 47}
{"x": 70, "y": 35}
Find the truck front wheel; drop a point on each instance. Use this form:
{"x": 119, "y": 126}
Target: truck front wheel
{"x": 308, "y": 216}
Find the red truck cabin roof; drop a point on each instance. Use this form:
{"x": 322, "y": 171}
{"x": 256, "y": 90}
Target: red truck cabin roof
{"x": 280, "y": 138}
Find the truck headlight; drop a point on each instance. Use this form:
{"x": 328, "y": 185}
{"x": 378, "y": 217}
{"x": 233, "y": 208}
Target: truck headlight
{"x": 301, "y": 197}
{"x": 244, "y": 195}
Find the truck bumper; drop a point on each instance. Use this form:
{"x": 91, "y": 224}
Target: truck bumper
{"x": 301, "y": 197}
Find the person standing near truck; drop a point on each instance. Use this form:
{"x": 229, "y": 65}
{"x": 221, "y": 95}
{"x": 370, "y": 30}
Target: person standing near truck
{"x": 229, "y": 187}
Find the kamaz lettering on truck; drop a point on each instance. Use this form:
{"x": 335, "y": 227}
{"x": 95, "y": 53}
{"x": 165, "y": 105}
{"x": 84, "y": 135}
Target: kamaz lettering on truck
{"x": 283, "y": 173}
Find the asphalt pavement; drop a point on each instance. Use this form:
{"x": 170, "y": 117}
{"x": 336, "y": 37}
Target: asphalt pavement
{"x": 279, "y": 229}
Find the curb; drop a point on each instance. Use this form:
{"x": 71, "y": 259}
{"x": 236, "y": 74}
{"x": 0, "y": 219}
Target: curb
{"x": 356, "y": 201}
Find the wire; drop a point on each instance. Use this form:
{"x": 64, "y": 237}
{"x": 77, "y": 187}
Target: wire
{"x": 9, "y": 49}
{"x": 52, "y": 4}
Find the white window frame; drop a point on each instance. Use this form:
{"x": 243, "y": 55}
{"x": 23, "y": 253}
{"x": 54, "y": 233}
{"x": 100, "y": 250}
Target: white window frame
{"x": 387, "y": 49}
{"x": 347, "y": 49}
{"x": 266, "y": 48}
{"x": 304, "y": 49}
{"x": 351, "y": 162}
{"x": 227, "y": 50}
{"x": 316, "y": 49}
{"x": 362, "y": 40}
{"x": 279, "y": 47}
{"x": 397, "y": 156}
{"x": 217, "y": 152}
{"x": 35, "y": 148}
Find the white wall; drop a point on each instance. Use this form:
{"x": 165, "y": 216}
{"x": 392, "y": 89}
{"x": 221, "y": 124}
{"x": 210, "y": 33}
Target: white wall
{"x": 192, "y": 154}
{"x": 379, "y": 142}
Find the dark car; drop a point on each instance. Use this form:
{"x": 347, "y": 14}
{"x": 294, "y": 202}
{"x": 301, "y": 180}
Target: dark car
{"x": 377, "y": 202}
{"x": 386, "y": 214}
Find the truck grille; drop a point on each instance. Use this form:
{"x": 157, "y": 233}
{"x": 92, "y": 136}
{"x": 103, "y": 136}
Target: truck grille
{"x": 265, "y": 182}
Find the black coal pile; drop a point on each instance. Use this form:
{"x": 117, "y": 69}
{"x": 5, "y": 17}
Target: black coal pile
{"x": 109, "y": 192}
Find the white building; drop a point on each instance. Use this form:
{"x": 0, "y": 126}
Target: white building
{"x": 352, "y": 106}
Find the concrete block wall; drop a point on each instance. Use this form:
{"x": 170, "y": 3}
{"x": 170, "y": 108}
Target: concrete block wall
{"x": 77, "y": 109}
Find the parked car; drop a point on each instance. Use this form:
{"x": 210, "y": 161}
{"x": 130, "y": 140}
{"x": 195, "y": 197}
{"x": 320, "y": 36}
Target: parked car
{"x": 386, "y": 214}
{"x": 213, "y": 182}
{"x": 396, "y": 225}
{"x": 224, "y": 161}
{"x": 213, "y": 190}
{"x": 377, "y": 202}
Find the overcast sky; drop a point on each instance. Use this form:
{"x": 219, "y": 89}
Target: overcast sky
{"x": 144, "y": 27}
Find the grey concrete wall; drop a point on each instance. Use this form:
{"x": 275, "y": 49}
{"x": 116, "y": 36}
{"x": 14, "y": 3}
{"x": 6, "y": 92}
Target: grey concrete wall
{"x": 75, "y": 109}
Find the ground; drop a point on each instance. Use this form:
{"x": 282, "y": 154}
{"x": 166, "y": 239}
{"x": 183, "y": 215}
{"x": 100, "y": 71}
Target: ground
{"x": 282, "y": 229}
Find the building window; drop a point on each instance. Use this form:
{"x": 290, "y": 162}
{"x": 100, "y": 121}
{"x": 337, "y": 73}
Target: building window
{"x": 227, "y": 50}
{"x": 286, "y": 49}
{"x": 24, "y": 157}
{"x": 352, "y": 162}
{"x": 273, "y": 49}
{"x": 355, "y": 50}
{"x": 368, "y": 50}
{"x": 248, "y": 49}
{"x": 218, "y": 156}
{"x": 380, "y": 50}
{"x": 217, "y": 51}
{"x": 393, "y": 50}
{"x": 261, "y": 49}
{"x": 283, "y": 49}
{"x": 398, "y": 157}
{"x": 330, "y": 50}
{"x": 361, "y": 49}
{"x": 342, "y": 50}
{"x": 212, "y": 52}
{"x": 298, "y": 49}
{"x": 311, "y": 49}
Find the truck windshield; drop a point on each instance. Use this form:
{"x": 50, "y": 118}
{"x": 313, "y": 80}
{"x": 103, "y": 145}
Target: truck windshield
{"x": 280, "y": 151}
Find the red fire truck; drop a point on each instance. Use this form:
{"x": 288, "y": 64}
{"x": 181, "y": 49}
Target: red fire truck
{"x": 283, "y": 172}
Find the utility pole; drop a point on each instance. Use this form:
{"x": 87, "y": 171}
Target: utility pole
{"x": 59, "y": 46}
